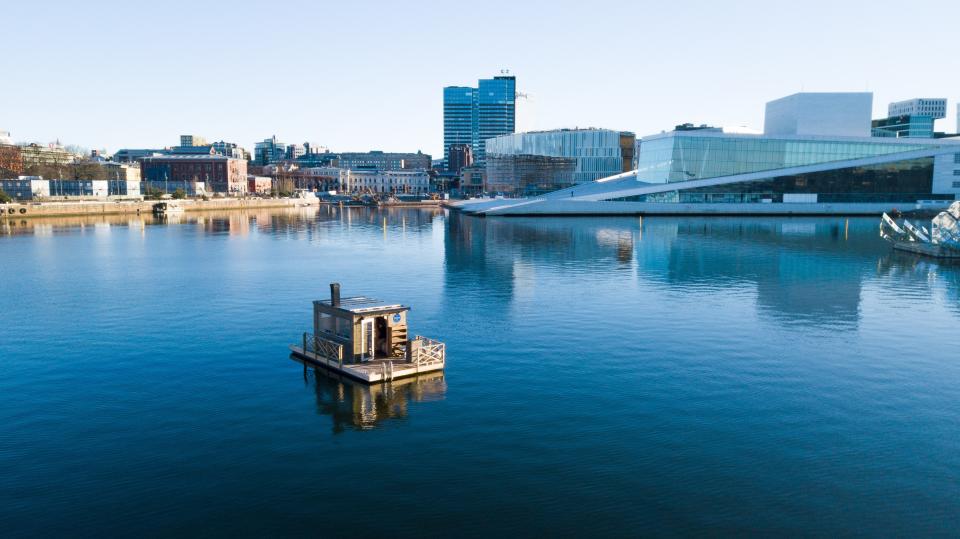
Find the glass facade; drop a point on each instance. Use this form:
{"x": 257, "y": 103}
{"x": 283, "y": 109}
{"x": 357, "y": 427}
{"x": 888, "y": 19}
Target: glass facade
{"x": 473, "y": 115}
{"x": 678, "y": 156}
{"x": 904, "y": 126}
{"x": 459, "y": 116}
{"x": 900, "y": 182}
{"x": 598, "y": 153}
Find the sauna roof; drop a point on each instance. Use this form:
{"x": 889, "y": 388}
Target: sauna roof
{"x": 363, "y": 304}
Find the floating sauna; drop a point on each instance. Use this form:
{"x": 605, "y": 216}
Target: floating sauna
{"x": 367, "y": 339}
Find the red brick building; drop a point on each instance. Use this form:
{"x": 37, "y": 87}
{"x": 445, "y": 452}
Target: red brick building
{"x": 220, "y": 174}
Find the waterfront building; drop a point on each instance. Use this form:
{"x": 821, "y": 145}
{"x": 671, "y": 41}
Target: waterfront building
{"x": 269, "y": 151}
{"x": 529, "y": 174}
{"x": 377, "y": 160}
{"x": 411, "y": 182}
{"x": 318, "y": 159}
{"x": 473, "y": 180}
{"x": 126, "y": 172}
{"x": 5, "y": 139}
{"x": 80, "y": 188}
{"x": 512, "y": 160}
{"x": 706, "y": 171}
{"x": 458, "y": 156}
{"x": 219, "y": 173}
{"x": 473, "y": 115}
{"x": 192, "y": 140}
{"x": 844, "y": 114}
{"x": 259, "y": 184}
{"x": 26, "y": 187}
{"x": 324, "y": 178}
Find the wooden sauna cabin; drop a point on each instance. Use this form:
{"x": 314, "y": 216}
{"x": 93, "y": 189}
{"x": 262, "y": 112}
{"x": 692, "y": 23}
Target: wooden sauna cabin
{"x": 367, "y": 339}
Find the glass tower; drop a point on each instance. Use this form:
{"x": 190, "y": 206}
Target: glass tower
{"x": 473, "y": 115}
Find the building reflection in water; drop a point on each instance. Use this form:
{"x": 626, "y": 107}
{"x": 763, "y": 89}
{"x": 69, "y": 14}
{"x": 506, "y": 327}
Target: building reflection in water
{"x": 354, "y": 405}
{"x": 802, "y": 270}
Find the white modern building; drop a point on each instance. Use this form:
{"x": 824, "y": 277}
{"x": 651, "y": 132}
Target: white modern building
{"x": 808, "y": 164}
{"x": 844, "y": 114}
{"x": 934, "y": 107}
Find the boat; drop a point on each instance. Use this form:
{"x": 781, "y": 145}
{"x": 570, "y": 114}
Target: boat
{"x": 366, "y": 339}
{"x": 167, "y": 208}
{"x": 941, "y": 240}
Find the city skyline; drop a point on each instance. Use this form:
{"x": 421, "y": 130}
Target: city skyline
{"x": 107, "y": 80}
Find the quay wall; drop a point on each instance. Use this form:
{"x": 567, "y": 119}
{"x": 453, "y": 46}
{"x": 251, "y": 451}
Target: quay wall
{"x": 60, "y": 209}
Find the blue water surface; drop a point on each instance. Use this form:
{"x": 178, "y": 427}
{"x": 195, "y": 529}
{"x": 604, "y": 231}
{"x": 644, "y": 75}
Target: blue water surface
{"x": 606, "y": 376}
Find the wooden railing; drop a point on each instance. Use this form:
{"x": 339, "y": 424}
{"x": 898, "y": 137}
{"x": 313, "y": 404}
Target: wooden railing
{"x": 323, "y": 347}
{"x": 427, "y": 351}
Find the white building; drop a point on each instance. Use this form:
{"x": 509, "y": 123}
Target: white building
{"x": 413, "y": 182}
{"x": 934, "y": 107}
{"x": 837, "y": 114}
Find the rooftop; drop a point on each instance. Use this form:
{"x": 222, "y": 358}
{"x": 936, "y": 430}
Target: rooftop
{"x": 363, "y": 304}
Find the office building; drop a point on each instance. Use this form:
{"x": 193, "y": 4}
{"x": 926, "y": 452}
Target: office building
{"x": 821, "y": 170}
{"x": 933, "y": 107}
{"x": 913, "y": 118}
{"x": 592, "y": 154}
{"x": 295, "y": 151}
{"x": 907, "y": 125}
{"x": 219, "y": 174}
{"x": 377, "y": 160}
{"x": 473, "y": 115}
{"x": 269, "y": 151}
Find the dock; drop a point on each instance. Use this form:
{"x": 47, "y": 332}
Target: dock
{"x": 366, "y": 339}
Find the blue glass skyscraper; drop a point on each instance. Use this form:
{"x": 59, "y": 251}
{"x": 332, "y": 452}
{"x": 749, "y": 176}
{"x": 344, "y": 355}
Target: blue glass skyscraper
{"x": 473, "y": 115}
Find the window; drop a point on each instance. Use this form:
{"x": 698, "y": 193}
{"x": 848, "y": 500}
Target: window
{"x": 956, "y": 172}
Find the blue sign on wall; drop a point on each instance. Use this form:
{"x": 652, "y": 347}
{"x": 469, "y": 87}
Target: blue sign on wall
{"x": 396, "y": 318}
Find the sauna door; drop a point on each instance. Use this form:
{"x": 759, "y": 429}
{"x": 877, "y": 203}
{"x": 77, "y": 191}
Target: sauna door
{"x": 367, "y": 339}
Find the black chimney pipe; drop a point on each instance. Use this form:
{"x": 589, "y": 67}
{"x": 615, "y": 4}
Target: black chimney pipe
{"x": 334, "y": 294}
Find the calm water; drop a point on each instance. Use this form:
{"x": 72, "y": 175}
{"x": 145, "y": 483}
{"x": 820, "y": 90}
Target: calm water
{"x": 606, "y": 376}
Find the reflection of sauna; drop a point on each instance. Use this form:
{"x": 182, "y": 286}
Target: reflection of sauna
{"x": 367, "y": 339}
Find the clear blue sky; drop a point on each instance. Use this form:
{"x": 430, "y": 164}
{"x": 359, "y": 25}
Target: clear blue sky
{"x": 363, "y": 75}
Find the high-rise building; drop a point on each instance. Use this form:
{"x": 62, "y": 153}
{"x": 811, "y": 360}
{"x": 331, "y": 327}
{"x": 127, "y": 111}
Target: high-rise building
{"x": 473, "y": 115}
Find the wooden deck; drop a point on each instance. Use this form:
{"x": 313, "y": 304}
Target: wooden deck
{"x": 373, "y": 371}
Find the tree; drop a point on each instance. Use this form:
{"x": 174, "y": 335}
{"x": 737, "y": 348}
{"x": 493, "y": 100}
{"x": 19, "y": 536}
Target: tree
{"x": 5, "y": 198}
{"x": 179, "y": 194}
